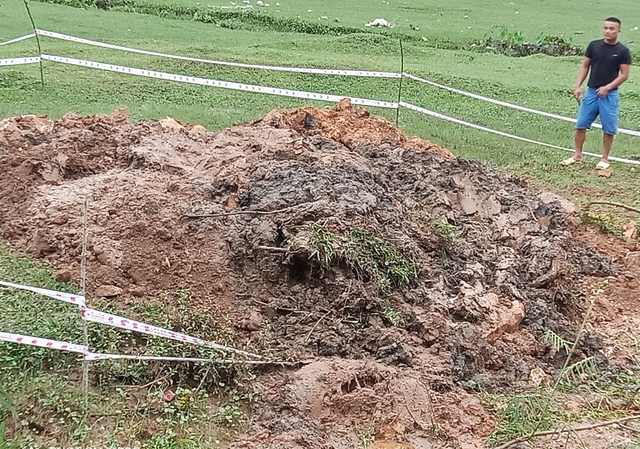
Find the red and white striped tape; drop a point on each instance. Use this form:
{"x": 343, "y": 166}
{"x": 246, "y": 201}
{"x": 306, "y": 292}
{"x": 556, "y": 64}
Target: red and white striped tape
{"x": 342, "y": 72}
{"x": 18, "y": 39}
{"x": 509, "y": 105}
{"x": 221, "y": 84}
{"x": 124, "y": 323}
{"x": 42, "y": 342}
{"x": 511, "y": 136}
{"x": 62, "y": 296}
{"x": 19, "y": 61}
{"x": 92, "y": 356}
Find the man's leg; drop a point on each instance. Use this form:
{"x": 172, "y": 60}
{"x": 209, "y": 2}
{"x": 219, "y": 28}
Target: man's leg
{"x": 581, "y": 135}
{"x": 587, "y": 114}
{"x": 609, "y": 108}
{"x": 607, "y": 141}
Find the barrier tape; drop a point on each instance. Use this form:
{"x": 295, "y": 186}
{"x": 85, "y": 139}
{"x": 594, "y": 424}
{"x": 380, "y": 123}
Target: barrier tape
{"x": 221, "y": 84}
{"x": 42, "y": 342}
{"x": 500, "y": 133}
{"x": 67, "y": 297}
{"x": 18, "y": 61}
{"x": 124, "y": 323}
{"x": 510, "y": 105}
{"x": 342, "y": 72}
{"x": 18, "y": 39}
{"x": 91, "y": 356}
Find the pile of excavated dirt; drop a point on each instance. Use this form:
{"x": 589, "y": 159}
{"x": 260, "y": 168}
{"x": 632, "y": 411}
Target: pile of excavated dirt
{"x": 237, "y": 216}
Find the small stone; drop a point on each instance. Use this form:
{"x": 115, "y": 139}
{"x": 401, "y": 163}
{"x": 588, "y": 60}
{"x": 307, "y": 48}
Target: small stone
{"x": 630, "y": 230}
{"x": 566, "y": 205}
{"x": 252, "y": 322}
{"x": 537, "y": 376}
{"x": 138, "y": 291}
{"x": 468, "y": 205}
{"x": 63, "y": 275}
{"x": 503, "y": 319}
{"x": 633, "y": 259}
{"x": 120, "y": 116}
{"x": 60, "y": 219}
{"x": 107, "y": 291}
{"x": 170, "y": 123}
{"x": 199, "y": 129}
{"x": 605, "y": 173}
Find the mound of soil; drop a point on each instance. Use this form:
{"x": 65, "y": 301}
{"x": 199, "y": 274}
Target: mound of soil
{"x": 402, "y": 277}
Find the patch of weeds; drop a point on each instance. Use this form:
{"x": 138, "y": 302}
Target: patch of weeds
{"x": 188, "y": 407}
{"x": 632, "y": 445}
{"x": 367, "y": 256}
{"x": 366, "y": 439}
{"x": 324, "y": 245}
{"x": 448, "y": 232}
{"x": 371, "y": 258}
{"x": 520, "y": 415}
{"x": 513, "y": 43}
{"x": 389, "y": 314}
{"x": 231, "y": 415}
{"x": 608, "y": 224}
{"x": 174, "y": 311}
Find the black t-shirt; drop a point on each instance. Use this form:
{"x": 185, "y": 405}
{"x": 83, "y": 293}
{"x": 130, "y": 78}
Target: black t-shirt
{"x": 605, "y": 62}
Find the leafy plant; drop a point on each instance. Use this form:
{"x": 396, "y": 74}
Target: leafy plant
{"x": 557, "y": 342}
{"x": 445, "y": 230}
{"x": 520, "y": 415}
{"x": 389, "y": 313}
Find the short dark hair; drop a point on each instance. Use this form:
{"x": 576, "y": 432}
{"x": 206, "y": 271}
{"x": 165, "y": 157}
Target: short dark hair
{"x": 613, "y": 19}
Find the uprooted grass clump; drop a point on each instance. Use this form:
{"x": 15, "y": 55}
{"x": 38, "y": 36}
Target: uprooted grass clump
{"x": 368, "y": 257}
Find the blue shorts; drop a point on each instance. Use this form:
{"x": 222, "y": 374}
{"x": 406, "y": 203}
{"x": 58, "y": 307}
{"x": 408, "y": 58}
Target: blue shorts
{"x": 607, "y": 108}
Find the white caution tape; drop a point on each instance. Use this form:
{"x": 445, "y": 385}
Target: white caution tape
{"x": 124, "y": 323}
{"x": 511, "y": 136}
{"x": 18, "y": 39}
{"x": 221, "y": 84}
{"x": 510, "y": 105}
{"x": 96, "y": 356}
{"x": 342, "y": 72}
{"x": 42, "y": 342}
{"x": 91, "y": 356}
{"x": 62, "y": 296}
{"x": 18, "y": 61}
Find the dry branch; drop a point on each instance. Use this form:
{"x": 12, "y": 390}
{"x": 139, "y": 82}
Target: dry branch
{"x": 569, "y": 429}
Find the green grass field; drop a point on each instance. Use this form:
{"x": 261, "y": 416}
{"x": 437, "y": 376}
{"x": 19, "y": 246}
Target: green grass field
{"x": 539, "y": 81}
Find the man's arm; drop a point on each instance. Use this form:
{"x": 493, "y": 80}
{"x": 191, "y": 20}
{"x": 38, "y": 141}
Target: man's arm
{"x": 621, "y": 78}
{"x": 582, "y": 75}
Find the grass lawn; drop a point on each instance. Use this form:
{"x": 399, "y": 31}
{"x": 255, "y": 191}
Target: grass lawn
{"x": 454, "y": 22}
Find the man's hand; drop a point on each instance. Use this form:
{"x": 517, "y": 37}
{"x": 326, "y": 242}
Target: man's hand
{"x": 603, "y": 91}
{"x": 577, "y": 93}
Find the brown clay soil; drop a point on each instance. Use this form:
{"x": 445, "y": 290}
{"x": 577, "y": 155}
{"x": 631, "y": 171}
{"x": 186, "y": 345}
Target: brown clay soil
{"x": 496, "y": 265}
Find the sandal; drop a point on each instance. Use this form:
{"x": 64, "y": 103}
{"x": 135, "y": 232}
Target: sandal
{"x": 602, "y": 165}
{"x": 571, "y": 161}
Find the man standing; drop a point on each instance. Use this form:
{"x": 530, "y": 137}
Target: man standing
{"x": 609, "y": 62}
